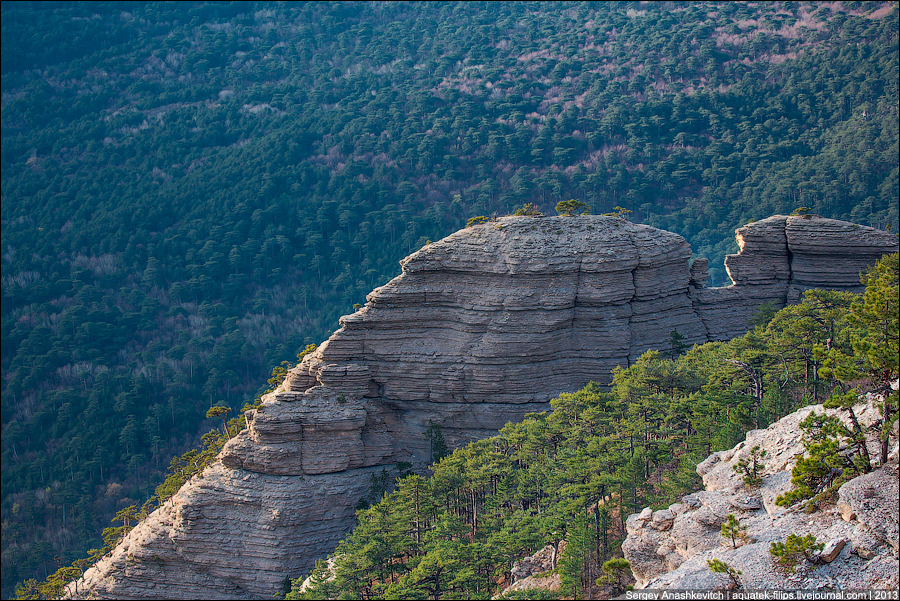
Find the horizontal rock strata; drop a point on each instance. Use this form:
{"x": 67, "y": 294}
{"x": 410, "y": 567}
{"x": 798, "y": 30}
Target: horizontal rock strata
{"x": 481, "y": 328}
{"x": 780, "y": 258}
{"x": 229, "y": 534}
{"x": 516, "y": 311}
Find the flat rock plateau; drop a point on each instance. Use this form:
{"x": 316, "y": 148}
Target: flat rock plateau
{"x": 481, "y": 328}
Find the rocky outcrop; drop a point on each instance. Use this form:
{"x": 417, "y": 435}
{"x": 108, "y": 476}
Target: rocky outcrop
{"x": 780, "y": 258}
{"x": 229, "y": 534}
{"x": 481, "y": 328}
{"x": 506, "y": 315}
{"x": 669, "y": 549}
{"x": 543, "y": 561}
{"x": 535, "y": 573}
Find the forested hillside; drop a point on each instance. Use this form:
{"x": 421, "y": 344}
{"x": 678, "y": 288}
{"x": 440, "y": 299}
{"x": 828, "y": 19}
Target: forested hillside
{"x": 577, "y": 472}
{"x": 192, "y": 192}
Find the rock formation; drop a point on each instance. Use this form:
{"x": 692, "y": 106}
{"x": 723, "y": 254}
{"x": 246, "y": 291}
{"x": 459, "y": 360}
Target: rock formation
{"x": 481, "y": 328}
{"x": 535, "y": 572}
{"x": 780, "y": 258}
{"x": 669, "y": 548}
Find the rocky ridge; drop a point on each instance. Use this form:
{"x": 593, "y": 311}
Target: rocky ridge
{"x": 669, "y": 548}
{"x": 481, "y": 328}
{"x": 781, "y": 257}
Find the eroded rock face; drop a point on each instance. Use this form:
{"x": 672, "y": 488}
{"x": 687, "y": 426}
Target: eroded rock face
{"x": 481, "y": 328}
{"x": 536, "y": 572}
{"x": 860, "y": 532}
{"x": 780, "y": 258}
{"x": 229, "y": 534}
{"x": 506, "y": 315}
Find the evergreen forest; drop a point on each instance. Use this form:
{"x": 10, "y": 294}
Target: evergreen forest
{"x": 194, "y": 192}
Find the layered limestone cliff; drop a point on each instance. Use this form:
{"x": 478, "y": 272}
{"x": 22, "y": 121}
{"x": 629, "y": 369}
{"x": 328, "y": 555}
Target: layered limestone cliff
{"x": 780, "y": 258}
{"x": 482, "y": 327}
{"x": 669, "y": 548}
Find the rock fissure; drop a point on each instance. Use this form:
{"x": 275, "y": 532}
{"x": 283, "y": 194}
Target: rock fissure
{"x": 481, "y": 328}
{"x": 790, "y": 262}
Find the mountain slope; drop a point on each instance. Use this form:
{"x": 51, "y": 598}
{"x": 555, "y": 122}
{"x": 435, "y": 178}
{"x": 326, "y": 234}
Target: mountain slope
{"x": 193, "y": 193}
{"x": 670, "y": 548}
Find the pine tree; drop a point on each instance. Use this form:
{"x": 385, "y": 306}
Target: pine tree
{"x": 435, "y": 437}
{"x": 750, "y": 468}
{"x": 733, "y": 530}
{"x": 878, "y": 342}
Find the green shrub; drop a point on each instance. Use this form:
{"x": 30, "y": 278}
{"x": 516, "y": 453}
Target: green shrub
{"x": 733, "y": 530}
{"x": 720, "y": 567}
{"x": 569, "y": 207}
{"x": 834, "y": 452}
{"x": 616, "y": 570}
{"x": 618, "y": 212}
{"x": 750, "y": 468}
{"x": 528, "y": 210}
{"x": 795, "y": 548}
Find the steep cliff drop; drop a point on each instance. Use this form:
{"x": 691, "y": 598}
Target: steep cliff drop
{"x": 482, "y": 327}
{"x": 780, "y": 258}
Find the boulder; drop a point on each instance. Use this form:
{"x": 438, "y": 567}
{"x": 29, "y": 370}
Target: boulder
{"x": 832, "y": 549}
{"x": 873, "y": 500}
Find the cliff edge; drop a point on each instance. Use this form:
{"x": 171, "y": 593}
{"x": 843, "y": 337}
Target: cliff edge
{"x": 481, "y": 328}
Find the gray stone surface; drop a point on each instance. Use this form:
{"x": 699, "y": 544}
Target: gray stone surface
{"x": 860, "y": 532}
{"x": 780, "y": 258}
{"x": 481, "y": 328}
{"x": 229, "y": 534}
{"x": 542, "y": 561}
{"x": 867, "y": 498}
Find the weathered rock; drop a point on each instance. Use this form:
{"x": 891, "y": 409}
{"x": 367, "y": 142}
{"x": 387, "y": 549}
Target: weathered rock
{"x": 826, "y": 253}
{"x": 662, "y": 519}
{"x": 516, "y": 311}
{"x": 872, "y": 499}
{"x": 765, "y": 255}
{"x": 549, "y": 583}
{"x": 846, "y": 512}
{"x": 534, "y": 572}
{"x": 866, "y": 516}
{"x": 780, "y": 258}
{"x": 481, "y": 328}
{"x": 542, "y": 561}
{"x": 228, "y": 535}
{"x": 297, "y": 438}
{"x": 864, "y": 542}
{"x": 746, "y": 503}
{"x": 832, "y": 549}
{"x": 699, "y": 272}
